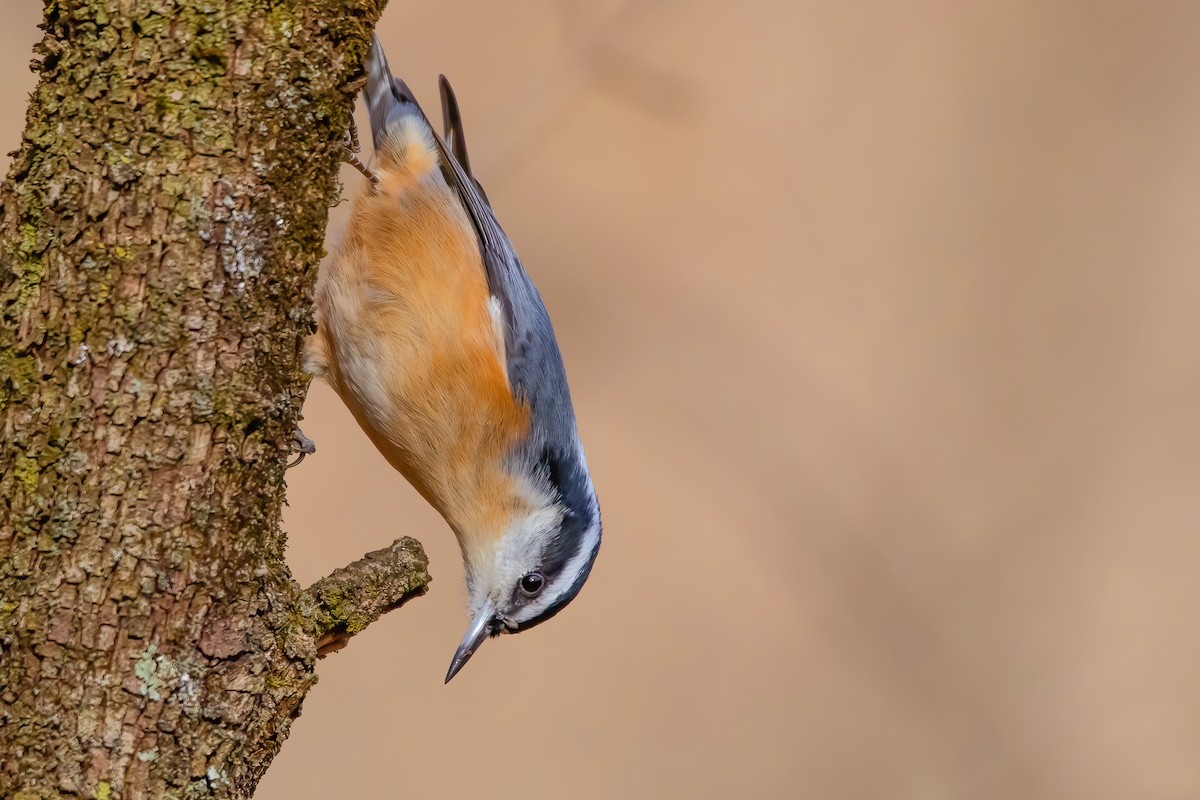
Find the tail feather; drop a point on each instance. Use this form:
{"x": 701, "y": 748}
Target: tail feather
{"x": 389, "y": 100}
{"x": 400, "y": 130}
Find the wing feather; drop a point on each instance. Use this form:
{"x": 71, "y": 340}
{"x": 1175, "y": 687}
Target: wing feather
{"x": 533, "y": 361}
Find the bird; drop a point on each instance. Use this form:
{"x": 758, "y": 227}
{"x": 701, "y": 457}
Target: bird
{"x": 434, "y": 336}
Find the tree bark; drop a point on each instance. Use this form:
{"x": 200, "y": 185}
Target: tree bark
{"x": 161, "y": 227}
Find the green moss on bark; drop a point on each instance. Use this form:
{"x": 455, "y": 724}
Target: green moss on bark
{"x": 162, "y": 223}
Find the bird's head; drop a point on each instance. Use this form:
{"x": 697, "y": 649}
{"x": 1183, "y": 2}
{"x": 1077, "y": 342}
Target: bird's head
{"x": 533, "y": 568}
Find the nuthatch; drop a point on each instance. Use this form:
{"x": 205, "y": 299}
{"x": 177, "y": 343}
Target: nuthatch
{"x": 435, "y": 338}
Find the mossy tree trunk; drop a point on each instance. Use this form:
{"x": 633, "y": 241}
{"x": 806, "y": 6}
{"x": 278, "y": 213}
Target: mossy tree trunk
{"x": 161, "y": 227}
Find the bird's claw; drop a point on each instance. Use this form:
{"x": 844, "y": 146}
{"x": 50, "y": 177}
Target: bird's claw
{"x": 303, "y": 446}
{"x": 353, "y": 148}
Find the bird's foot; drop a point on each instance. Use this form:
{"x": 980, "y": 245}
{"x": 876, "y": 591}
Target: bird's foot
{"x": 303, "y": 446}
{"x": 353, "y": 148}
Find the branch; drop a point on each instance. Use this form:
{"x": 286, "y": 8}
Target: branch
{"x": 351, "y": 598}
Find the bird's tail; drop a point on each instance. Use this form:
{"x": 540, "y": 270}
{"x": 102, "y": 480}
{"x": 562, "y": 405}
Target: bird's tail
{"x": 399, "y": 128}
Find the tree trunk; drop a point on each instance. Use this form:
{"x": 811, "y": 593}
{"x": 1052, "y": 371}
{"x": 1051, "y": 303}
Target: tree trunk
{"x": 161, "y": 227}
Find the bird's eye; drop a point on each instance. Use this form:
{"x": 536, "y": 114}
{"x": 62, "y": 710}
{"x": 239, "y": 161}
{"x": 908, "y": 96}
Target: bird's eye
{"x": 532, "y": 583}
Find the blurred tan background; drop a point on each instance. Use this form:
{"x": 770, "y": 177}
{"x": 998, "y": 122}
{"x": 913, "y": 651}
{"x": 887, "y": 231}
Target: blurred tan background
{"x": 883, "y": 323}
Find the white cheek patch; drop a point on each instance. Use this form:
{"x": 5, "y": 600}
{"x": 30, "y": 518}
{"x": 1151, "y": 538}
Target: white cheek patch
{"x": 523, "y": 544}
{"x": 477, "y": 584}
{"x": 521, "y": 549}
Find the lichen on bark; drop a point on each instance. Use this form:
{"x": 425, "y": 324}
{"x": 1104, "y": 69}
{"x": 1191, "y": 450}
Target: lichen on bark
{"x": 161, "y": 225}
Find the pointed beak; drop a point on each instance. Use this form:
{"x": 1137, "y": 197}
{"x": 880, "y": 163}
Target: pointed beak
{"x": 481, "y": 626}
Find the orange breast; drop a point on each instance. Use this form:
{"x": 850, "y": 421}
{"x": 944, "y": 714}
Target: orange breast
{"x": 410, "y": 345}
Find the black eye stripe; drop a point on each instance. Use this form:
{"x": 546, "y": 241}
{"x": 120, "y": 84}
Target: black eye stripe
{"x": 562, "y": 471}
{"x": 563, "y": 599}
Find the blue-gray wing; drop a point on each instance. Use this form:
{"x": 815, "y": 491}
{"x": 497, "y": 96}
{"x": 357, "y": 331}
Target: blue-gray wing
{"x": 453, "y": 135}
{"x": 535, "y": 367}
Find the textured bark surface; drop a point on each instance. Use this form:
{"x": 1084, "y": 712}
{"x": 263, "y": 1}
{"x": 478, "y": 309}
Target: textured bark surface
{"x": 162, "y": 223}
